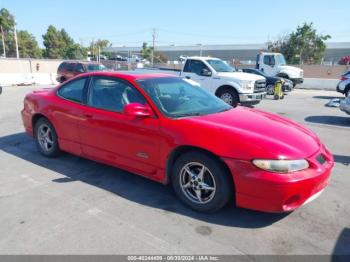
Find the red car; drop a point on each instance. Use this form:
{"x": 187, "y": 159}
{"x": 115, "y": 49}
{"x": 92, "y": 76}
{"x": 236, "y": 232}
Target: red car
{"x": 170, "y": 130}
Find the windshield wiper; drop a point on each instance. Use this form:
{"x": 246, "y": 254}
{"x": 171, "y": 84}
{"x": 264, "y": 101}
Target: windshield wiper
{"x": 188, "y": 114}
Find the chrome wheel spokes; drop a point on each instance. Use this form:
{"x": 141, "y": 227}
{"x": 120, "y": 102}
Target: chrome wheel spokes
{"x": 45, "y": 137}
{"x": 197, "y": 182}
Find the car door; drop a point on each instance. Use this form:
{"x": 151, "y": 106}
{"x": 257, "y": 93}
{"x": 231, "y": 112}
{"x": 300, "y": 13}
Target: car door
{"x": 193, "y": 70}
{"x": 109, "y": 135}
{"x": 67, "y": 114}
{"x": 269, "y": 65}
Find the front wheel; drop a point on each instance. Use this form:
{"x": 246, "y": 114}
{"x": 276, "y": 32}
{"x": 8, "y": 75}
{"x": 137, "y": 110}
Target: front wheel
{"x": 229, "y": 96}
{"x": 201, "y": 182}
{"x": 46, "y": 138}
{"x": 270, "y": 89}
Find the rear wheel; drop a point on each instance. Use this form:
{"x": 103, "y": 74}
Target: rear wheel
{"x": 347, "y": 91}
{"x": 229, "y": 96}
{"x": 46, "y": 138}
{"x": 201, "y": 182}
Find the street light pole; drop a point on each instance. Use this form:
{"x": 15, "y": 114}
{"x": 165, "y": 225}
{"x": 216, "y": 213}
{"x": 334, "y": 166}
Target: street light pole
{"x": 3, "y": 42}
{"x": 17, "y": 54}
{"x": 153, "y": 43}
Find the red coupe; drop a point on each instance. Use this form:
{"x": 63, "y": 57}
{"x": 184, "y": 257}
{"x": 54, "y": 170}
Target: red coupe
{"x": 171, "y": 130}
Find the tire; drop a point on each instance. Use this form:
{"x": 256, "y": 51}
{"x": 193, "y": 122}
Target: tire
{"x": 276, "y": 97}
{"x": 46, "y": 138}
{"x": 347, "y": 91}
{"x": 215, "y": 178}
{"x": 0, "y": 90}
{"x": 270, "y": 89}
{"x": 230, "y": 96}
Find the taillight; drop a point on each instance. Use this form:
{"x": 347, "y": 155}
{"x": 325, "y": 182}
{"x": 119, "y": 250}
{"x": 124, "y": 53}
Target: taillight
{"x": 344, "y": 78}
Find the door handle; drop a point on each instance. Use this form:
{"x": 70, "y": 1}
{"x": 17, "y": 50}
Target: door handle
{"x": 187, "y": 77}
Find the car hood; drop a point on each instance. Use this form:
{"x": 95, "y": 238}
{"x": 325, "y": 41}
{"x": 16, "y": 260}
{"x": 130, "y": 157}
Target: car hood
{"x": 293, "y": 69}
{"x": 256, "y": 134}
{"x": 240, "y": 76}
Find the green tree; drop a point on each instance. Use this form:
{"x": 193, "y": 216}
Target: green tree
{"x": 76, "y": 51}
{"x": 99, "y": 43}
{"x": 146, "y": 51}
{"x": 53, "y": 43}
{"x": 303, "y": 45}
{"x": 7, "y": 20}
{"x": 58, "y": 44}
{"x": 27, "y": 45}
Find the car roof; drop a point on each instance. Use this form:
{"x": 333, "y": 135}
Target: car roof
{"x": 127, "y": 75}
{"x": 81, "y": 62}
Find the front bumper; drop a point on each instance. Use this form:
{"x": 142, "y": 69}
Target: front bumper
{"x": 253, "y": 98}
{"x": 297, "y": 81}
{"x": 271, "y": 192}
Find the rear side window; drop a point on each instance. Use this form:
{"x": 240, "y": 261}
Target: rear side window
{"x": 70, "y": 67}
{"x": 112, "y": 94}
{"x": 74, "y": 90}
{"x": 79, "y": 68}
{"x": 62, "y": 66}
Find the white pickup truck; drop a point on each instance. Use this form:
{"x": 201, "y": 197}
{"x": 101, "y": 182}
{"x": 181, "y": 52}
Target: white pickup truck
{"x": 219, "y": 78}
{"x": 274, "y": 64}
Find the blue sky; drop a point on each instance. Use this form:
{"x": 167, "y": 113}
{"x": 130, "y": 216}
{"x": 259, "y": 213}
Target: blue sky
{"x": 180, "y": 22}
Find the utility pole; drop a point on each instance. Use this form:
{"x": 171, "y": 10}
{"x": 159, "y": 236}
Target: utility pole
{"x": 154, "y": 35}
{"x": 3, "y": 42}
{"x": 17, "y": 54}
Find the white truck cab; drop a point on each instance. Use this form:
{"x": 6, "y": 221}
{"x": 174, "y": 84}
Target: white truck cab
{"x": 224, "y": 81}
{"x": 274, "y": 64}
{"x": 219, "y": 78}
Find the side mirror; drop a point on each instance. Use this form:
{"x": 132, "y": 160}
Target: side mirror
{"x": 137, "y": 109}
{"x": 205, "y": 72}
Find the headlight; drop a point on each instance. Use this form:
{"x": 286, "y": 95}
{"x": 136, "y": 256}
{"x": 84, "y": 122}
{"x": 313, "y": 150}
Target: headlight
{"x": 281, "y": 166}
{"x": 247, "y": 84}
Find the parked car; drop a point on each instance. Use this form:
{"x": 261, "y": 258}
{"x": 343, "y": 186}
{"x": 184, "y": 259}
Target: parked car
{"x": 275, "y": 64}
{"x": 344, "y": 84}
{"x": 345, "y": 105}
{"x": 169, "y": 130}
{"x": 221, "y": 79}
{"x": 287, "y": 85}
{"x": 68, "y": 70}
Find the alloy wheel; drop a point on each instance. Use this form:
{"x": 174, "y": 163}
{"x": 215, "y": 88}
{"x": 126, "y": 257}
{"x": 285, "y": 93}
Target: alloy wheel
{"x": 45, "y": 137}
{"x": 197, "y": 183}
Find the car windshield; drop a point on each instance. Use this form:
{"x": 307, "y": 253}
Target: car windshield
{"x": 280, "y": 60}
{"x": 257, "y": 72}
{"x": 176, "y": 97}
{"x": 95, "y": 67}
{"x": 220, "y": 66}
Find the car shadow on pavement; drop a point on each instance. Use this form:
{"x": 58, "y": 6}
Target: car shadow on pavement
{"x": 345, "y": 160}
{"x": 341, "y": 251}
{"x": 129, "y": 186}
{"x": 327, "y": 97}
{"x": 329, "y": 120}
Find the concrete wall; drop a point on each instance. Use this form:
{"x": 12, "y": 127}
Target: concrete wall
{"x": 25, "y": 71}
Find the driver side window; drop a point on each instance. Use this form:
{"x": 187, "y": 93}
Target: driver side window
{"x": 195, "y": 66}
{"x": 112, "y": 94}
{"x": 269, "y": 60}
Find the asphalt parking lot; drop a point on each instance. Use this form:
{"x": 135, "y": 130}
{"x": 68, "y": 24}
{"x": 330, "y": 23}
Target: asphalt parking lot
{"x": 70, "y": 205}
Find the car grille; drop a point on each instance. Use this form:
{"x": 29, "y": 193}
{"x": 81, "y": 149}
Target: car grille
{"x": 260, "y": 86}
